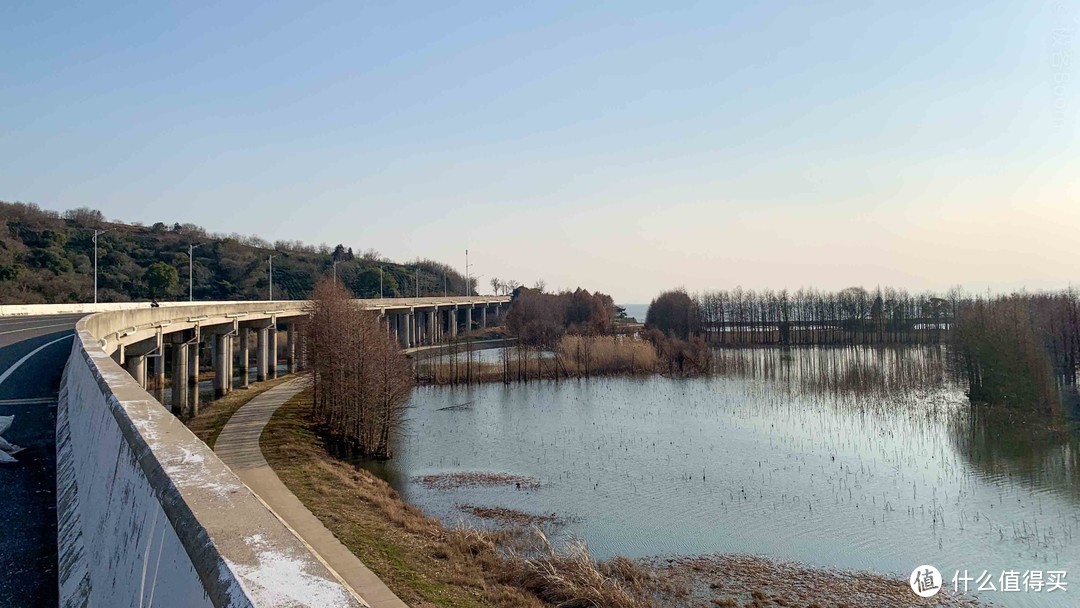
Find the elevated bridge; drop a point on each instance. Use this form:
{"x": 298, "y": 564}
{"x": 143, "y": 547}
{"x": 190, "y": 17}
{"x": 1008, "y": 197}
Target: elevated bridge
{"x": 146, "y": 513}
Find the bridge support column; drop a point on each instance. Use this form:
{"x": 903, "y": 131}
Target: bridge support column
{"x": 483, "y": 317}
{"x": 433, "y": 327}
{"x": 159, "y": 370}
{"x": 262, "y": 352}
{"x": 291, "y": 346}
{"x": 453, "y": 322}
{"x": 406, "y": 335}
{"x": 221, "y": 366}
{"x": 228, "y": 363}
{"x": 245, "y": 355}
{"x": 468, "y": 319}
{"x": 179, "y": 374}
{"x": 273, "y": 354}
{"x": 136, "y": 366}
{"x": 193, "y": 361}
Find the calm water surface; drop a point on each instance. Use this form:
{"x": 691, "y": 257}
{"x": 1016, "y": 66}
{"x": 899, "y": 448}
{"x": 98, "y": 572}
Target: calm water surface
{"x": 866, "y": 459}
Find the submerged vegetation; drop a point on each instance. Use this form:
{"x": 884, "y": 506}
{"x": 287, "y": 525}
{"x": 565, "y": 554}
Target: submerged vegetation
{"x": 426, "y": 562}
{"x": 1014, "y": 350}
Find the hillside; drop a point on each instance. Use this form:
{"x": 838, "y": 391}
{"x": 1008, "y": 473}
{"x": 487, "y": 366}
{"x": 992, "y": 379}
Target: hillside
{"x": 48, "y": 257}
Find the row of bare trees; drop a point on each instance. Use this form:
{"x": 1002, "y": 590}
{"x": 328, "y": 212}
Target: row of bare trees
{"x": 806, "y": 316}
{"x": 362, "y": 381}
{"x": 1013, "y": 347}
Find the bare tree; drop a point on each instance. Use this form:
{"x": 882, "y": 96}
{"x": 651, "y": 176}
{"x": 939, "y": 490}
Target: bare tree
{"x": 361, "y": 379}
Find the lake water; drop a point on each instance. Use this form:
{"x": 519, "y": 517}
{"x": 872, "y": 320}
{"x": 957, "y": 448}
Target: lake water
{"x": 853, "y": 458}
{"x": 637, "y": 311}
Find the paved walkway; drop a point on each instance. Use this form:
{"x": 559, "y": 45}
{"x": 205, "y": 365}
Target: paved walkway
{"x": 238, "y": 447}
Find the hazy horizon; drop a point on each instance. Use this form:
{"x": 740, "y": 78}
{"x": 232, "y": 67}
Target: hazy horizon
{"x": 625, "y": 148}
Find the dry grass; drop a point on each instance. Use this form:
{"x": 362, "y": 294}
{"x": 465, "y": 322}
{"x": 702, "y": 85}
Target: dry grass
{"x": 213, "y": 415}
{"x": 474, "y": 479}
{"x": 576, "y": 357}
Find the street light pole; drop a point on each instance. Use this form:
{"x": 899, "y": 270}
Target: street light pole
{"x": 417, "y": 281}
{"x": 191, "y": 271}
{"x": 271, "y": 260}
{"x": 380, "y": 281}
{"x": 97, "y": 233}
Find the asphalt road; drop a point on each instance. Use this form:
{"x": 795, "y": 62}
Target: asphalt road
{"x": 33, "y": 351}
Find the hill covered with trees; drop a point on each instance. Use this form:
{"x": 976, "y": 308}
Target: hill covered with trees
{"x": 48, "y": 257}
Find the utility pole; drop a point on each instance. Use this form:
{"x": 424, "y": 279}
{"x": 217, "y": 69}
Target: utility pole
{"x": 417, "y": 281}
{"x": 335, "y": 271}
{"x": 444, "y": 284}
{"x": 191, "y": 271}
{"x": 271, "y": 260}
{"x": 380, "y": 281}
{"x": 468, "y": 286}
{"x": 97, "y": 233}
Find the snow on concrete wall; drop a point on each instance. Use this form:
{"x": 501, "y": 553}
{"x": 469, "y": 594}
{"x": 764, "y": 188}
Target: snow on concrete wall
{"x": 148, "y": 515}
{"x": 117, "y": 545}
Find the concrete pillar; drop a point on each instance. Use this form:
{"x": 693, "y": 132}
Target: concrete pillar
{"x": 159, "y": 369}
{"x": 228, "y": 363}
{"x": 136, "y": 366}
{"x": 483, "y": 316}
{"x": 221, "y": 367}
{"x": 291, "y": 354}
{"x": 453, "y": 322}
{"x": 272, "y": 347}
{"x": 406, "y": 335}
{"x": 179, "y": 377}
{"x": 244, "y": 355}
{"x": 262, "y": 353}
{"x": 432, "y": 327}
{"x": 193, "y": 362}
{"x": 496, "y": 312}
{"x": 468, "y": 318}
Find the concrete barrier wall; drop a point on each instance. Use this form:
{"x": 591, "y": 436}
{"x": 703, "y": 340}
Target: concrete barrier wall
{"x": 13, "y": 310}
{"x": 148, "y": 515}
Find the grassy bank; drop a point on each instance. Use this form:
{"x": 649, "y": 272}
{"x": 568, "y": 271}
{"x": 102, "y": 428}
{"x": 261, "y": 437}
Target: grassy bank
{"x": 427, "y": 564}
{"x": 213, "y": 415}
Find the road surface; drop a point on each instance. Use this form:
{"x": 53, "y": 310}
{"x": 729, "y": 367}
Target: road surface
{"x": 33, "y": 351}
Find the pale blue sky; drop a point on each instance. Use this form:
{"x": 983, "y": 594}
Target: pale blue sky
{"x": 626, "y": 147}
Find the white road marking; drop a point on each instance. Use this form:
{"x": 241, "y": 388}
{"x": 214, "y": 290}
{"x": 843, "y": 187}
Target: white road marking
{"x": 15, "y": 331}
{"x": 10, "y": 323}
{"x": 16, "y": 365}
{"x": 29, "y": 401}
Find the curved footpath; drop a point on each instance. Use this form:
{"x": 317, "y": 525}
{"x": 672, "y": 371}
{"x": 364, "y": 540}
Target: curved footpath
{"x": 238, "y": 447}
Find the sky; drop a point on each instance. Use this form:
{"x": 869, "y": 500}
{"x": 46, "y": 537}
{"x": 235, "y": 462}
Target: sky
{"x": 626, "y": 147}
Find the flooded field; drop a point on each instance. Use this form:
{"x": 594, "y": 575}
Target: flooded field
{"x": 853, "y": 458}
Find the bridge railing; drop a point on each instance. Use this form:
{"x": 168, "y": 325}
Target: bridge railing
{"x": 147, "y": 513}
